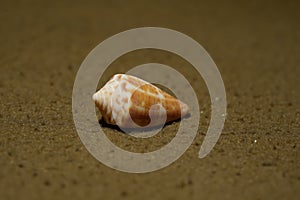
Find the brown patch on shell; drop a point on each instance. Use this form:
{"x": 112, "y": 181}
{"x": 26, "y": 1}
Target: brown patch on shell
{"x": 147, "y": 96}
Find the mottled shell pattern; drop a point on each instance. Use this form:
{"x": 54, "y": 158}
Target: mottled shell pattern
{"x": 130, "y": 102}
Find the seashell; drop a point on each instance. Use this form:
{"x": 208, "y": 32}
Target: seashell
{"x": 130, "y": 102}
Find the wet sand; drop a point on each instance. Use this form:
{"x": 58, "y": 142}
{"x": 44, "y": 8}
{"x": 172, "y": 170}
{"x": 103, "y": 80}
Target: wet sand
{"x": 256, "y": 47}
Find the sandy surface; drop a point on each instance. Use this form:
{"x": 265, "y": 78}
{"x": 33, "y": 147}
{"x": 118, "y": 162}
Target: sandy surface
{"x": 256, "y": 46}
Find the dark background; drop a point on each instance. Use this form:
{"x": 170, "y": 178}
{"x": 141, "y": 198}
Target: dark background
{"x": 255, "y": 45}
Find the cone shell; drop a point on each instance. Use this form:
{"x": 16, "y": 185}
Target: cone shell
{"x": 127, "y": 101}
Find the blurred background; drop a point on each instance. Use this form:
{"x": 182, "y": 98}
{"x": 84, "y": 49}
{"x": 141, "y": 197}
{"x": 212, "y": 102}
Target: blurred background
{"x": 255, "y": 45}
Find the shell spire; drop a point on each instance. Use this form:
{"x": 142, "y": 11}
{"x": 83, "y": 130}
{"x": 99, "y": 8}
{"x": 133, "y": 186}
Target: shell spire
{"x": 130, "y": 102}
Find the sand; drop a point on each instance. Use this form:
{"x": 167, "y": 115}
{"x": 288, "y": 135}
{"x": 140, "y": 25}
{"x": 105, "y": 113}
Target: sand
{"x": 256, "y": 47}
